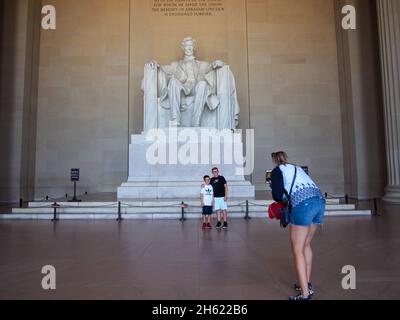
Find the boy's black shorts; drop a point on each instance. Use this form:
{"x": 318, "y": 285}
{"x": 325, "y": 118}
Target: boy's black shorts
{"x": 207, "y": 210}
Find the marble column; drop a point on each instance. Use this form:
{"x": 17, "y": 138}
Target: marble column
{"x": 389, "y": 33}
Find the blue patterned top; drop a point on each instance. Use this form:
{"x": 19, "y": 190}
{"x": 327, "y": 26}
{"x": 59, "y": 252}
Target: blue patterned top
{"x": 304, "y": 188}
{"x": 305, "y": 192}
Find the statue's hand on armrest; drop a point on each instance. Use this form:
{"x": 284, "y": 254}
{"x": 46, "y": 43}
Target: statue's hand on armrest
{"x": 218, "y": 64}
{"x": 153, "y": 64}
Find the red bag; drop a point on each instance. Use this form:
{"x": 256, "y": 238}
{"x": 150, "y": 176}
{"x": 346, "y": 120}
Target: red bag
{"x": 274, "y": 210}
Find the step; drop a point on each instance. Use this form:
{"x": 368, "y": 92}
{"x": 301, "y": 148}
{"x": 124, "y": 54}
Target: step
{"x": 157, "y": 209}
{"x": 154, "y": 203}
{"x": 154, "y": 216}
{"x": 135, "y": 209}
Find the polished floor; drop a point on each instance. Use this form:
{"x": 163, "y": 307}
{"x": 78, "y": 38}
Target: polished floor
{"x": 171, "y": 260}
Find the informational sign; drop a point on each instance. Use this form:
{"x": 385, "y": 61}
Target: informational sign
{"x": 75, "y": 174}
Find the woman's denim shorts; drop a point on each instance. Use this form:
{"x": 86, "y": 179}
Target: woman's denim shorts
{"x": 309, "y": 212}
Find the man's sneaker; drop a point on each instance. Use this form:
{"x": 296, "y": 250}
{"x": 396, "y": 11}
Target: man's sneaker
{"x": 225, "y": 225}
{"x": 204, "y": 226}
{"x": 300, "y": 298}
{"x": 219, "y": 225}
{"x": 209, "y": 226}
{"x": 310, "y": 289}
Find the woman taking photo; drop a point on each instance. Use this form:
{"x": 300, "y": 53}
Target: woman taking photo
{"x": 308, "y": 207}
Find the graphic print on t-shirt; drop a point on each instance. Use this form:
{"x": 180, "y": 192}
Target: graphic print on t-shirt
{"x": 208, "y": 194}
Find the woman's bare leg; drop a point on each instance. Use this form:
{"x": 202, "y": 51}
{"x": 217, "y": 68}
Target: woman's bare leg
{"x": 308, "y": 253}
{"x": 298, "y": 237}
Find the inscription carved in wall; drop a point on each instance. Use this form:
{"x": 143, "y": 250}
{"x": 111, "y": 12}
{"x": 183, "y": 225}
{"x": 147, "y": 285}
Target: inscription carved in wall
{"x": 188, "y": 8}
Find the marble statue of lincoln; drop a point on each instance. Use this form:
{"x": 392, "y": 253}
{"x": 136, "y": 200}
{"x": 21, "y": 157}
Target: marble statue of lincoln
{"x": 188, "y": 77}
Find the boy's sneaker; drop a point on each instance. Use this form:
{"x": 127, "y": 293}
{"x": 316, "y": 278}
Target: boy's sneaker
{"x": 225, "y": 225}
{"x": 204, "y": 226}
{"x": 209, "y": 226}
{"x": 300, "y": 298}
{"x": 219, "y": 225}
{"x": 310, "y": 289}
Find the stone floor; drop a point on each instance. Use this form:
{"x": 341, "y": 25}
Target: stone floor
{"x": 171, "y": 260}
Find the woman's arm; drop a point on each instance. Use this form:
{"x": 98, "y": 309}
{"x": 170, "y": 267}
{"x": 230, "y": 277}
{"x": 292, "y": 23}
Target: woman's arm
{"x": 277, "y": 185}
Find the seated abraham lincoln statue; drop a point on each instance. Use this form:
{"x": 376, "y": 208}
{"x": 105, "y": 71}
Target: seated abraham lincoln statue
{"x": 190, "y": 93}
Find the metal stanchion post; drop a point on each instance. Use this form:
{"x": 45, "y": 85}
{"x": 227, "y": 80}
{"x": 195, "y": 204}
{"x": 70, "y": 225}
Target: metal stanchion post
{"x": 55, "y": 206}
{"x": 183, "y": 206}
{"x": 376, "y": 207}
{"x": 119, "y": 219}
{"x": 247, "y": 217}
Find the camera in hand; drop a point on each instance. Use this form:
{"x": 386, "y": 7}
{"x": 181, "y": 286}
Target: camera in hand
{"x": 268, "y": 176}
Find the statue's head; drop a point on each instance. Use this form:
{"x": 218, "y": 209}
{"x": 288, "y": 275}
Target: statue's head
{"x": 188, "y": 46}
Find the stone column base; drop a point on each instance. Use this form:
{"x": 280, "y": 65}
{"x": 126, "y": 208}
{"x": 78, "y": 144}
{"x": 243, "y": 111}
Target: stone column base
{"x": 392, "y": 194}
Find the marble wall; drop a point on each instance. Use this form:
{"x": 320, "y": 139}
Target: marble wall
{"x": 83, "y": 97}
{"x": 294, "y": 88}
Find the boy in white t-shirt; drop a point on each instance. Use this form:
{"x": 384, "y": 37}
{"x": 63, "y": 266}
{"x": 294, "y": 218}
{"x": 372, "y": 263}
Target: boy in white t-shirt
{"x": 207, "y": 202}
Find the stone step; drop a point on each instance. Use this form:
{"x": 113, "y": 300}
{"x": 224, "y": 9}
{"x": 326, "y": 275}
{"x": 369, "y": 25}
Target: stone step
{"x": 162, "y": 208}
{"x": 156, "y": 203}
{"x": 157, "y": 209}
{"x": 155, "y": 216}
{"x": 87, "y": 213}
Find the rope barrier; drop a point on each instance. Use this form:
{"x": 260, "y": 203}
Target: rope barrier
{"x": 127, "y": 205}
{"x": 258, "y": 205}
{"x": 328, "y": 196}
